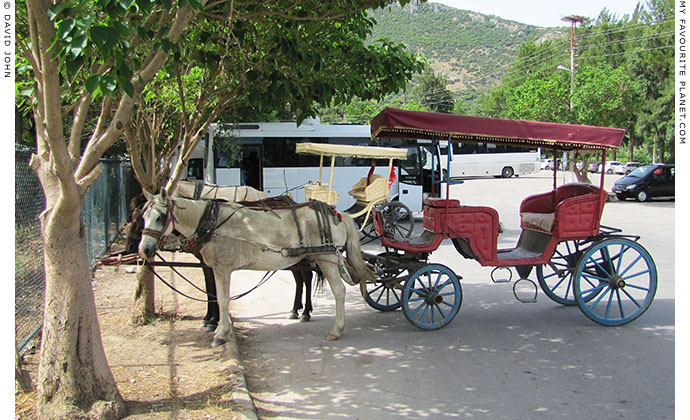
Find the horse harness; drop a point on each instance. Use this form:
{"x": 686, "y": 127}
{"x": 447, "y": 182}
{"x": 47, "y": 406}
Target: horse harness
{"x": 325, "y": 215}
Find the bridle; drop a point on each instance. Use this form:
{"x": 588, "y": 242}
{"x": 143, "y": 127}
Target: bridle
{"x": 169, "y": 221}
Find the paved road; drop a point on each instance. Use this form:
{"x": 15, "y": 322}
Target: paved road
{"x": 498, "y": 359}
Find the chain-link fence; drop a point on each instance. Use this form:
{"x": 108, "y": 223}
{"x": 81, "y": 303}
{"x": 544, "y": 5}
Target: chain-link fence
{"x": 103, "y": 212}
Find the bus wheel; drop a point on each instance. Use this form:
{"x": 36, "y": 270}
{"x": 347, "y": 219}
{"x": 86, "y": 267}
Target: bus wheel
{"x": 507, "y": 172}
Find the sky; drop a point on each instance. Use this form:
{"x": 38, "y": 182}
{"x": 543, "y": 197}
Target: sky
{"x": 543, "y": 12}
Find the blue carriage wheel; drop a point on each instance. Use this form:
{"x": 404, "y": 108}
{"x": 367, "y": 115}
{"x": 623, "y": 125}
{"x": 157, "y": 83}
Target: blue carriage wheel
{"x": 619, "y": 278}
{"x": 556, "y": 277}
{"x": 384, "y": 293}
{"x": 432, "y": 296}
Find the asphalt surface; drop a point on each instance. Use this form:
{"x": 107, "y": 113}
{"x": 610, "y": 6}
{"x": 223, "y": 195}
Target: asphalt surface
{"x": 498, "y": 359}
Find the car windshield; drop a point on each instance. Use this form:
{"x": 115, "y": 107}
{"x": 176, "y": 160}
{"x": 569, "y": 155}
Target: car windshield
{"x": 641, "y": 171}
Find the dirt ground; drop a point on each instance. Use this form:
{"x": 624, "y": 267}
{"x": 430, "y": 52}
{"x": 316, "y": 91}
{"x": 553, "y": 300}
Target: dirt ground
{"x": 165, "y": 369}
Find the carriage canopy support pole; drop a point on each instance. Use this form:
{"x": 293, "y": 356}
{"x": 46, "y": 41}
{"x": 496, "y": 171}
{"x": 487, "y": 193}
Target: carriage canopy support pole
{"x": 330, "y": 180}
{"x": 555, "y": 167}
{"x": 320, "y": 166}
{"x": 603, "y": 163}
{"x": 390, "y": 169}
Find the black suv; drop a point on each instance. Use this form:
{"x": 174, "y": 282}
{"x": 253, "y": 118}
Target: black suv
{"x": 647, "y": 182}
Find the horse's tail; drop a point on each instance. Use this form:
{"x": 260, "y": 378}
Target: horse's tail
{"x": 357, "y": 268}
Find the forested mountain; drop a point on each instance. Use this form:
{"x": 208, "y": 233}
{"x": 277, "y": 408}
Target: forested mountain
{"x": 470, "y": 49}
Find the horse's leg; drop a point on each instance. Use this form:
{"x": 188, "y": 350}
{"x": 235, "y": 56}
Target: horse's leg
{"x": 210, "y": 321}
{"x": 306, "y": 279}
{"x": 297, "y": 304}
{"x": 222, "y": 293}
{"x": 329, "y": 267}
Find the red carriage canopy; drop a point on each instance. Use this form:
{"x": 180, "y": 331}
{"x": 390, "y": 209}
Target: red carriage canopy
{"x": 397, "y": 123}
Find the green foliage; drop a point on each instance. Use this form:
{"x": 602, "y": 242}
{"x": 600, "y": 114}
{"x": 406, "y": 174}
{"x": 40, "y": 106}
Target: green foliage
{"x": 432, "y": 92}
{"x": 470, "y": 49}
{"x": 623, "y": 78}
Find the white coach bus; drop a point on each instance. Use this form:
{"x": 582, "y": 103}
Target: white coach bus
{"x": 482, "y": 159}
{"x": 262, "y": 155}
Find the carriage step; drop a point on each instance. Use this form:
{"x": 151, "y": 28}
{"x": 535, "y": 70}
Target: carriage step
{"x": 525, "y": 291}
{"x": 501, "y": 275}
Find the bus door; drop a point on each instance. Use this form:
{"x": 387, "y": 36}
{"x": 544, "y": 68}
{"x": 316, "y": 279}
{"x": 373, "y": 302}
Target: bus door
{"x": 252, "y": 166}
{"x": 411, "y": 179}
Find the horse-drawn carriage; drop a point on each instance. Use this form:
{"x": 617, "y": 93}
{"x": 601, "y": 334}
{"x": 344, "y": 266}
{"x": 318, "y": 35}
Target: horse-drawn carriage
{"x": 367, "y": 192}
{"x": 610, "y": 276}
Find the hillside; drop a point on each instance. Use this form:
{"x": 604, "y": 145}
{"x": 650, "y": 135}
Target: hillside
{"x": 471, "y": 49}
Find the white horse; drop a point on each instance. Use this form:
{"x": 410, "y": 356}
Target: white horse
{"x": 246, "y": 239}
{"x": 230, "y": 193}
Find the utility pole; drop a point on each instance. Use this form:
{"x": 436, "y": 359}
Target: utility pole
{"x": 574, "y": 20}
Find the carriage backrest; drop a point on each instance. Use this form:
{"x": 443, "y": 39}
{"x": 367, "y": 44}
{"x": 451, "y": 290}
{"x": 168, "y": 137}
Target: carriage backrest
{"x": 570, "y": 211}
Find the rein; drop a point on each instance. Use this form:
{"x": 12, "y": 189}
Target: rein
{"x": 265, "y": 278}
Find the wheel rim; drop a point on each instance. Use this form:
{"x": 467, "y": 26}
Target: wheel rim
{"x": 623, "y": 276}
{"x": 642, "y": 196}
{"x": 398, "y": 221}
{"x": 385, "y": 293}
{"x": 556, "y": 278}
{"x": 432, "y": 297}
{"x": 507, "y": 172}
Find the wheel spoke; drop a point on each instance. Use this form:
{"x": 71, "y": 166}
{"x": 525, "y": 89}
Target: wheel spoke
{"x": 596, "y": 288}
{"x": 426, "y": 309}
{"x": 637, "y": 274}
{"x": 395, "y": 293}
{"x": 620, "y": 259}
{"x": 378, "y": 299}
{"x": 438, "y": 308}
{"x": 596, "y": 263}
{"x": 631, "y": 265}
{"x": 631, "y": 298}
{"x": 634, "y": 286}
{"x": 414, "y": 312}
{"x": 590, "y": 275}
{"x": 596, "y": 302}
{"x": 608, "y": 306}
{"x": 620, "y": 303}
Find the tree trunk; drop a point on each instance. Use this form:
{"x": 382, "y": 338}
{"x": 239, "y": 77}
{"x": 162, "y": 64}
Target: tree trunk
{"x": 143, "y": 308}
{"x": 74, "y": 380}
{"x": 631, "y": 148}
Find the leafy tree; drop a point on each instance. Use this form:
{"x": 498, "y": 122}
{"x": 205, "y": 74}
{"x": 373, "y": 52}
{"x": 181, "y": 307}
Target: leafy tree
{"x": 91, "y": 63}
{"x": 432, "y": 92}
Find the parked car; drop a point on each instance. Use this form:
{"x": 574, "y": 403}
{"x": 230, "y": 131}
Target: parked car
{"x": 594, "y": 167}
{"x": 611, "y": 166}
{"x": 627, "y": 168}
{"x": 645, "y": 182}
{"x": 546, "y": 163}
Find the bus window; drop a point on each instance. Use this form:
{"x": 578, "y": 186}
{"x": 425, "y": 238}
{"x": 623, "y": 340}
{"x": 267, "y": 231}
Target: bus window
{"x": 226, "y": 159}
{"x": 195, "y": 169}
{"x": 280, "y": 153}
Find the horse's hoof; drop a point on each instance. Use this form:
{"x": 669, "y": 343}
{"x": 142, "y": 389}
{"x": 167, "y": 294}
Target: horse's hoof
{"x": 217, "y": 342}
{"x": 305, "y": 318}
{"x": 332, "y": 337}
{"x": 211, "y": 327}
{"x": 204, "y": 323}
{"x": 293, "y": 315}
